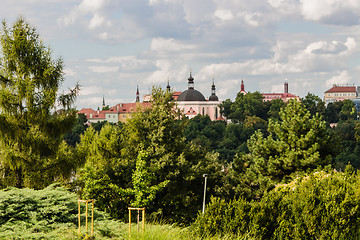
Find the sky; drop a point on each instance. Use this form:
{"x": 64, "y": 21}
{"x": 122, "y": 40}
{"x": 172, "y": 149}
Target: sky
{"x": 110, "y": 47}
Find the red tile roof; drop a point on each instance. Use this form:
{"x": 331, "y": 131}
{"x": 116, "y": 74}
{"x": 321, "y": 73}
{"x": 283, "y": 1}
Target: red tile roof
{"x": 341, "y": 89}
{"x": 176, "y": 95}
{"x": 280, "y": 95}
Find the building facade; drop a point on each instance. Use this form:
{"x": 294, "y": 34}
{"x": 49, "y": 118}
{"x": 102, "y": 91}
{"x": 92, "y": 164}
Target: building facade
{"x": 285, "y": 96}
{"x": 340, "y": 93}
{"x": 192, "y": 102}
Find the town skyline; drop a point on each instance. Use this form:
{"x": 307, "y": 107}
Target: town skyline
{"x": 110, "y": 47}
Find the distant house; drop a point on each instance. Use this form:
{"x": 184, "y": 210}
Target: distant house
{"x": 191, "y": 102}
{"x": 340, "y": 93}
{"x": 285, "y": 96}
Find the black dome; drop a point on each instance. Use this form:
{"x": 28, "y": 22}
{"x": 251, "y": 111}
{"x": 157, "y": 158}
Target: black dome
{"x": 213, "y": 97}
{"x": 191, "y": 95}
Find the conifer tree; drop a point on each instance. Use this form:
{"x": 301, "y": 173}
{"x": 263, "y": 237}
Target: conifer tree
{"x": 297, "y": 143}
{"x": 30, "y": 127}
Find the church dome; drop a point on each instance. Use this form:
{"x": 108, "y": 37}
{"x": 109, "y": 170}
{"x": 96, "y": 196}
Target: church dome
{"x": 191, "y": 95}
{"x": 213, "y": 98}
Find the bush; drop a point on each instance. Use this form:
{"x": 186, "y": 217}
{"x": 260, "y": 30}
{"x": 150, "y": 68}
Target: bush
{"x": 51, "y": 213}
{"x": 324, "y": 205}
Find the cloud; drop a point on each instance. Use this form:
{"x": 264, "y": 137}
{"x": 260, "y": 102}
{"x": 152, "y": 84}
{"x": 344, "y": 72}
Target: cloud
{"x": 103, "y": 69}
{"x": 91, "y": 90}
{"x": 339, "y": 12}
{"x": 69, "y": 72}
{"x": 341, "y": 78}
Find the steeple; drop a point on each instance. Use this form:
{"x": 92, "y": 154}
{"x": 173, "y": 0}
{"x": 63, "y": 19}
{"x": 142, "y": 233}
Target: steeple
{"x": 213, "y": 88}
{"x": 242, "y": 90}
{"x": 137, "y": 94}
{"x": 213, "y": 96}
{"x": 190, "y": 82}
{"x": 103, "y": 104}
{"x": 168, "y": 86}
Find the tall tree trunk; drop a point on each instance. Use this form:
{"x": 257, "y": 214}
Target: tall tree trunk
{"x": 19, "y": 177}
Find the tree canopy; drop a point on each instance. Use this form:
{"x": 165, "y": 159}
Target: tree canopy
{"x": 31, "y": 128}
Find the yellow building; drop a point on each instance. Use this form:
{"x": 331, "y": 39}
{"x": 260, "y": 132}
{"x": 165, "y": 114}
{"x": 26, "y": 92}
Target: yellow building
{"x": 340, "y": 93}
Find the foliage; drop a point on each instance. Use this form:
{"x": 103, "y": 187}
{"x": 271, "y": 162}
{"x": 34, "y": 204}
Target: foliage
{"x": 105, "y": 174}
{"x": 275, "y": 108}
{"x": 296, "y": 143}
{"x": 142, "y": 179}
{"x": 313, "y": 104}
{"x": 249, "y": 104}
{"x": 73, "y": 137}
{"x": 145, "y": 162}
{"x": 30, "y": 131}
{"x": 323, "y": 205}
{"x": 51, "y": 213}
{"x": 348, "y": 110}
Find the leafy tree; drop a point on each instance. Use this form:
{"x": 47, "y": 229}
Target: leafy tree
{"x": 31, "y": 130}
{"x": 158, "y": 132}
{"x": 142, "y": 179}
{"x": 73, "y": 137}
{"x": 348, "y": 110}
{"x": 347, "y": 147}
{"x": 147, "y": 162}
{"x": 225, "y": 108}
{"x": 275, "y": 107}
{"x": 313, "y": 104}
{"x": 297, "y": 143}
{"x": 332, "y": 112}
{"x": 107, "y": 107}
{"x": 249, "y": 104}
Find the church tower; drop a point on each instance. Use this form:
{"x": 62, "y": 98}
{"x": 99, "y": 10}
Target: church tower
{"x": 137, "y": 94}
{"x": 242, "y": 87}
{"x": 213, "y": 96}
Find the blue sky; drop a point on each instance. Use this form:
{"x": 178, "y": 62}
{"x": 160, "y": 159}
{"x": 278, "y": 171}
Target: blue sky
{"x": 111, "y": 46}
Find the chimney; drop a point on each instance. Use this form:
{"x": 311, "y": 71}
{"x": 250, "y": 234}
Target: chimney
{"x": 286, "y": 87}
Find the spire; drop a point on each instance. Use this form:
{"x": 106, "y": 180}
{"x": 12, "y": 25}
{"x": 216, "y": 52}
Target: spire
{"x": 168, "y": 86}
{"x": 213, "y": 96}
{"x": 103, "y": 105}
{"x": 137, "y": 94}
{"x": 213, "y": 88}
{"x": 242, "y": 86}
{"x": 190, "y": 82}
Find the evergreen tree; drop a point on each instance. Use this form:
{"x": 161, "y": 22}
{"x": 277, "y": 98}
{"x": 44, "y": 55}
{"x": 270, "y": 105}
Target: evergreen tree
{"x": 31, "y": 129}
{"x": 297, "y": 143}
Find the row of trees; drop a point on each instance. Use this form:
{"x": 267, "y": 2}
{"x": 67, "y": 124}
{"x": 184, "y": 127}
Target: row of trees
{"x": 252, "y": 104}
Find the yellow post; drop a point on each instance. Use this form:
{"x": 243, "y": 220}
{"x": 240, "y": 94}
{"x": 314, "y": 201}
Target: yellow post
{"x": 79, "y": 218}
{"x": 143, "y": 220}
{"x": 129, "y": 223}
{"x": 92, "y": 217}
{"x": 86, "y": 216}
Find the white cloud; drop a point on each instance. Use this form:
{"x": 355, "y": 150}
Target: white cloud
{"x": 341, "y": 78}
{"x": 103, "y": 69}
{"x": 69, "y": 72}
{"x": 327, "y": 9}
{"x": 169, "y": 45}
{"x": 224, "y": 14}
{"x": 91, "y": 90}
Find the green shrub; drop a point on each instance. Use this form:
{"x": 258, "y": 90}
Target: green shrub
{"x": 324, "y": 205}
{"x": 51, "y": 213}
